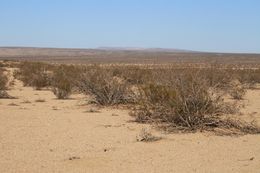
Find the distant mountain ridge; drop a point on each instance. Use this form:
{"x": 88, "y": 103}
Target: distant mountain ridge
{"x": 122, "y": 55}
{"x": 144, "y": 49}
{"x": 71, "y": 52}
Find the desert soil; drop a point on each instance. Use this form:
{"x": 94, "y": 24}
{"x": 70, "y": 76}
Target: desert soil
{"x": 57, "y": 136}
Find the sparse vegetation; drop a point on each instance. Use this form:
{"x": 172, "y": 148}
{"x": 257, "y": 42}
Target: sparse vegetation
{"x": 179, "y": 98}
{"x": 62, "y": 82}
{"x": 40, "y": 100}
{"x": 104, "y": 87}
{"x": 146, "y": 136}
{"x": 34, "y": 74}
{"x": 13, "y": 104}
{"x": 188, "y": 103}
{"x": 26, "y": 102}
{"x": 237, "y": 90}
{"x": 3, "y": 83}
{"x": 3, "y": 80}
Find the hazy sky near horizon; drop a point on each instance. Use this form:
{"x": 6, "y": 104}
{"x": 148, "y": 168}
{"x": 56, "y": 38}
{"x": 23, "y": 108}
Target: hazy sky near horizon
{"x": 202, "y": 25}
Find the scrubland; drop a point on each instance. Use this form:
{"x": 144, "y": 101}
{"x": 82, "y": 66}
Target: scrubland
{"x": 129, "y": 118}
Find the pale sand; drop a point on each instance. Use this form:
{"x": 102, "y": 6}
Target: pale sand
{"x": 45, "y": 136}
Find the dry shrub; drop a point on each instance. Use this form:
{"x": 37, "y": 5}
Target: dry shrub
{"x": 104, "y": 87}
{"x": 63, "y": 81}
{"x": 187, "y": 103}
{"x": 217, "y": 78}
{"x": 133, "y": 74}
{"x": 3, "y": 80}
{"x": 146, "y": 136}
{"x": 223, "y": 78}
{"x": 34, "y": 74}
{"x": 136, "y": 75}
{"x": 3, "y": 86}
{"x": 248, "y": 76}
{"x": 9, "y": 63}
{"x": 237, "y": 90}
{"x": 3, "y": 83}
{"x": 236, "y": 127}
{"x": 2, "y": 64}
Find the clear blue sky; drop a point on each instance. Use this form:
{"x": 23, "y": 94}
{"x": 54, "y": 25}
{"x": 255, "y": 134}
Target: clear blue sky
{"x": 205, "y": 25}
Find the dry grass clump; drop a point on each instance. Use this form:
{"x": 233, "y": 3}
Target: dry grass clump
{"x": 186, "y": 103}
{"x": 34, "y": 74}
{"x": 106, "y": 88}
{"x": 146, "y": 136}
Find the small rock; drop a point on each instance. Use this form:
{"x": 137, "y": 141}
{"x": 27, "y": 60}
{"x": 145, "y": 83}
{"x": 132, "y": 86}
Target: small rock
{"x": 252, "y": 158}
{"x": 74, "y": 158}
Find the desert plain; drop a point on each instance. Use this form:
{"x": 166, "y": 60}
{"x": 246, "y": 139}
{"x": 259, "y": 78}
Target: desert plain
{"x": 40, "y": 133}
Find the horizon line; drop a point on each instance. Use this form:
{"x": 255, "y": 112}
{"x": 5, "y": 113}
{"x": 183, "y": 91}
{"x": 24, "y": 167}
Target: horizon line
{"x": 130, "y": 48}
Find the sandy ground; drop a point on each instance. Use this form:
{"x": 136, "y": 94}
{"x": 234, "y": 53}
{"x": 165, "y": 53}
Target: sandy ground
{"x": 63, "y": 136}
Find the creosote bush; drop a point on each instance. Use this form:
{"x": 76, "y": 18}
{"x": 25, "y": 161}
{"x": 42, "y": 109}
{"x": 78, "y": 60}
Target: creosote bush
{"x": 106, "y": 88}
{"x": 180, "y": 98}
{"x": 3, "y": 83}
{"x": 3, "y": 80}
{"x": 187, "y": 103}
{"x": 3, "y": 86}
{"x": 34, "y": 74}
{"x": 62, "y": 82}
{"x": 237, "y": 90}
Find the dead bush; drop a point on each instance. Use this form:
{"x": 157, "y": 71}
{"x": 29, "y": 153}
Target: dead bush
{"x": 104, "y": 87}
